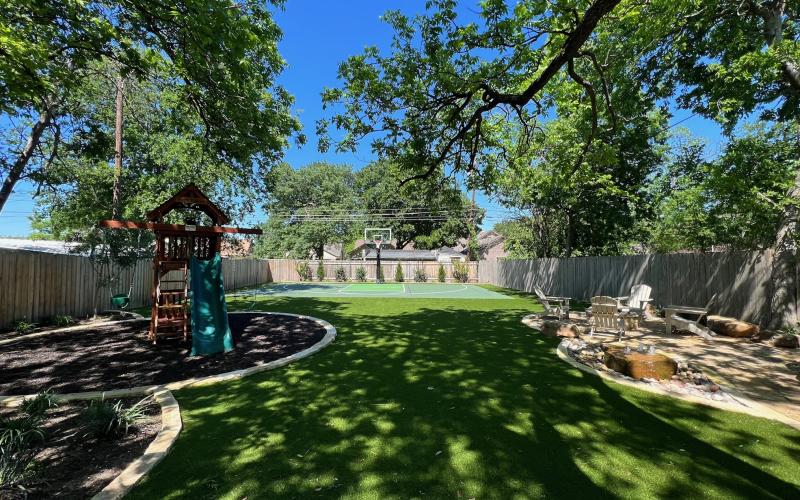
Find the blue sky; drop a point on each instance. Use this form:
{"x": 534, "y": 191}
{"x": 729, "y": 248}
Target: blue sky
{"x": 318, "y": 35}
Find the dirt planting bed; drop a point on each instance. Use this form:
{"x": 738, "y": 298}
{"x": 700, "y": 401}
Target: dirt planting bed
{"x": 118, "y": 355}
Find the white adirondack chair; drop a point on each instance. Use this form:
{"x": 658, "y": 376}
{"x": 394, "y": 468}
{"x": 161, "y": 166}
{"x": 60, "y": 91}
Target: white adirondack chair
{"x": 553, "y": 306}
{"x": 604, "y": 314}
{"x": 637, "y": 301}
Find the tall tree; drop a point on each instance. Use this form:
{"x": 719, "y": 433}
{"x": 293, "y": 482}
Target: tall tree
{"x": 431, "y": 213}
{"x": 307, "y": 210}
{"x": 223, "y": 58}
{"x": 433, "y": 100}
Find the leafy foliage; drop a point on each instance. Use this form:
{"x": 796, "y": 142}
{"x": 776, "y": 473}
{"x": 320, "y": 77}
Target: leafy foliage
{"x": 220, "y": 62}
{"x": 341, "y": 274}
{"x": 320, "y": 271}
{"x": 361, "y": 274}
{"x": 442, "y": 274}
{"x": 104, "y": 419}
{"x": 734, "y": 201}
{"x": 61, "y": 320}
{"x": 420, "y": 276}
{"x": 460, "y": 271}
{"x": 18, "y": 438}
{"x": 304, "y": 270}
{"x": 398, "y": 273}
{"x": 22, "y": 326}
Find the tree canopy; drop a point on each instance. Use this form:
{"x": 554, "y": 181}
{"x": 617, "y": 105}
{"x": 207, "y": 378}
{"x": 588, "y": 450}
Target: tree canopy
{"x": 220, "y": 60}
{"x": 322, "y": 204}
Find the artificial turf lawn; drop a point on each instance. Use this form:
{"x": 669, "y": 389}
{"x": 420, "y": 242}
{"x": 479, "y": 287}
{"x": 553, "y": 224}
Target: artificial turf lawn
{"x": 441, "y": 398}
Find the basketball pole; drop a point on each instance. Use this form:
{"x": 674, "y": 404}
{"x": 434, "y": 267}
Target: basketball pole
{"x": 378, "y": 268}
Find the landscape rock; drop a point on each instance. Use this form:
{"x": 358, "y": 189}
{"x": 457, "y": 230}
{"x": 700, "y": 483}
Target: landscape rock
{"x": 555, "y": 328}
{"x": 641, "y": 365}
{"x": 731, "y": 327}
{"x": 788, "y": 340}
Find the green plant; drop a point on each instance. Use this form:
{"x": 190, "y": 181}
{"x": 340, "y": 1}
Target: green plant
{"x": 37, "y": 406}
{"x": 398, "y": 273}
{"x": 303, "y": 270}
{"x": 361, "y": 273}
{"x": 420, "y": 276}
{"x": 104, "y": 419}
{"x": 460, "y": 272}
{"x": 442, "y": 274}
{"x": 62, "y": 320}
{"x": 320, "y": 271}
{"x": 22, "y": 327}
{"x": 18, "y": 439}
{"x": 341, "y": 274}
{"x": 380, "y": 276}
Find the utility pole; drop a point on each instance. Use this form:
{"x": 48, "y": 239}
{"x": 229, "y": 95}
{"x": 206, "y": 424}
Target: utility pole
{"x": 116, "y": 201}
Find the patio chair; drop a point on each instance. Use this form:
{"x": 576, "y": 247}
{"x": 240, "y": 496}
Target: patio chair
{"x": 689, "y": 319}
{"x": 553, "y": 306}
{"x": 636, "y": 302}
{"x": 604, "y": 314}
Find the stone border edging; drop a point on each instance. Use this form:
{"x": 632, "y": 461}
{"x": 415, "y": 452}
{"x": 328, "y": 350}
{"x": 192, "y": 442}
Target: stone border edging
{"x": 171, "y": 423}
{"x": 171, "y": 426}
{"x": 747, "y": 406}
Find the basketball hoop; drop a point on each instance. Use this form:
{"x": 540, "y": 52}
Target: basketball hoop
{"x": 376, "y": 237}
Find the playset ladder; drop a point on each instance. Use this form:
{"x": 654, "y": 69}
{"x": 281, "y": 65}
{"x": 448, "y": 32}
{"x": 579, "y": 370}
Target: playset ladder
{"x": 170, "y": 314}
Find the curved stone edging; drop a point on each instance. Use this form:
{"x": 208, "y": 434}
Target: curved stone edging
{"x": 29, "y": 336}
{"x": 746, "y": 405}
{"x": 171, "y": 425}
{"x": 330, "y": 335}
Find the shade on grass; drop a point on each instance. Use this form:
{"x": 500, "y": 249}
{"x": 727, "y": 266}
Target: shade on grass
{"x": 456, "y": 399}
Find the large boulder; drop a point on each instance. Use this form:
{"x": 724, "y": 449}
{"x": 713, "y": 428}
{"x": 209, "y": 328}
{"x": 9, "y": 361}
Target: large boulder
{"x": 788, "y": 340}
{"x": 731, "y": 327}
{"x": 640, "y": 365}
{"x": 556, "y": 328}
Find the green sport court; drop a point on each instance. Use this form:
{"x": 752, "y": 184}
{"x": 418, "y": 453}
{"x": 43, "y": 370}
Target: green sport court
{"x": 407, "y": 290}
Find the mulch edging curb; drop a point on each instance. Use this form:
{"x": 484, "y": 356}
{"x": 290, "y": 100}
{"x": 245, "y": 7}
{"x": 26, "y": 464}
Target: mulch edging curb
{"x": 171, "y": 423}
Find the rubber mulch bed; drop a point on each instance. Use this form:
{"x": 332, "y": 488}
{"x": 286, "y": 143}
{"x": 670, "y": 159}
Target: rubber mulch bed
{"x": 118, "y": 355}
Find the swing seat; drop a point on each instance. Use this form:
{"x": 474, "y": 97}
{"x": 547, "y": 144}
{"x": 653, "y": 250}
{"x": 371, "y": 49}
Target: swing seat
{"x": 120, "y": 300}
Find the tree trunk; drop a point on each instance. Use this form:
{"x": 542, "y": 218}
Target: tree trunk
{"x": 116, "y": 202}
{"x": 783, "y": 301}
{"x": 24, "y": 157}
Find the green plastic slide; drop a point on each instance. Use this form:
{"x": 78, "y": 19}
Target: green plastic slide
{"x": 210, "y": 331}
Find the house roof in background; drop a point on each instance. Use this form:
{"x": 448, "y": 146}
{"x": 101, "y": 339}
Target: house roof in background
{"x": 45, "y": 246}
{"x": 401, "y": 254}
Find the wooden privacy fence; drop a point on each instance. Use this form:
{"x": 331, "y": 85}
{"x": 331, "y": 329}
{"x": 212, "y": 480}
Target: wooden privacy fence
{"x": 739, "y": 282}
{"x": 36, "y": 285}
{"x": 286, "y": 269}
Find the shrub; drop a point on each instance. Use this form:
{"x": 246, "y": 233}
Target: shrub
{"x": 304, "y": 270}
{"x": 381, "y": 278}
{"x": 442, "y": 274}
{"x": 398, "y": 274}
{"x": 37, "y": 406}
{"x": 22, "y": 327}
{"x": 18, "y": 437}
{"x": 61, "y": 320}
{"x": 341, "y": 275}
{"x": 361, "y": 273}
{"x": 103, "y": 419}
{"x": 320, "y": 272}
{"x": 460, "y": 272}
{"x": 420, "y": 276}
